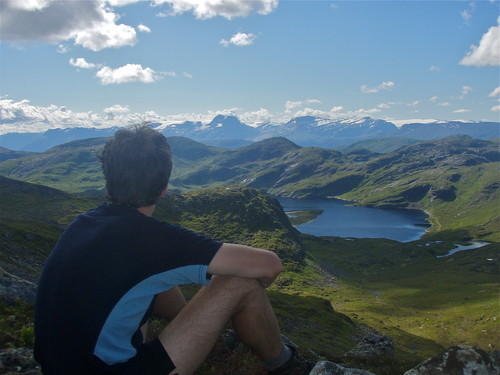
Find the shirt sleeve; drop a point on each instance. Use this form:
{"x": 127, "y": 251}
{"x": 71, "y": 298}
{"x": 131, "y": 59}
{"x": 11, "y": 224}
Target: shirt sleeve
{"x": 178, "y": 247}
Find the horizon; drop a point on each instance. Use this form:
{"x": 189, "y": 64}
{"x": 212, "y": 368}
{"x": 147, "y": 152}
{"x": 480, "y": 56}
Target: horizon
{"x": 106, "y": 63}
{"x": 161, "y": 126}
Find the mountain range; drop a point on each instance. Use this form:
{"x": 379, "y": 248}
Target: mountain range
{"x": 229, "y": 131}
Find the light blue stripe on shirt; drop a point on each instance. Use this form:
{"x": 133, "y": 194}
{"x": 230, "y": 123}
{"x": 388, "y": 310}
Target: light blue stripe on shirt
{"x": 114, "y": 344}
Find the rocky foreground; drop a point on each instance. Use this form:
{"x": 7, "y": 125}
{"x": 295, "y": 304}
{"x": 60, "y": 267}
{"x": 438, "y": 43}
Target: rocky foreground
{"x": 456, "y": 360}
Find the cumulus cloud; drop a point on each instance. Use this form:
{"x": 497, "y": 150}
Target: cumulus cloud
{"x": 143, "y": 28}
{"x": 290, "y": 104}
{"x": 387, "y": 86}
{"x": 466, "y": 90}
{"x": 461, "y": 111}
{"x": 496, "y": 108}
{"x": 89, "y": 23}
{"x": 80, "y": 62}
{"x": 495, "y": 92}
{"x": 127, "y": 73}
{"x": 117, "y": 108}
{"x": 434, "y": 68}
{"x": 119, "y": 3}
{"x": 239, "y": 39}
{"x": 22, "y": 116}
{"x": 254, "y": 118}
{"x": 29, "y": 5}
{"x": 204, "y": 9}
{"x": 187, "y": 75}
{"x": 488, "y": 50}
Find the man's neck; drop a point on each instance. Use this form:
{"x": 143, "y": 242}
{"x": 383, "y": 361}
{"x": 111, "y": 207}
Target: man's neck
{"x": 147, "y": 210}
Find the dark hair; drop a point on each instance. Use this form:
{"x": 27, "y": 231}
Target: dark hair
{"x": 137, "y": 163}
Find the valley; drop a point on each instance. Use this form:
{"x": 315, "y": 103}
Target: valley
{"x": 333, "y": 290}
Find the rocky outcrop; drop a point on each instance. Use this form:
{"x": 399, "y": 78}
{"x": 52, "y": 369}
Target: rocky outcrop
{"x": 18, "y": 361}
{"x": 14, "y": 288}
{"x": 330, "y": 368}
{"x": 372, "y": 345}
{"x": 459, "y": 360}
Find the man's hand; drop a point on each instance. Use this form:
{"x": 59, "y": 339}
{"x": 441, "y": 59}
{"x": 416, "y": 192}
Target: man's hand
{"x": 247, "y": 262}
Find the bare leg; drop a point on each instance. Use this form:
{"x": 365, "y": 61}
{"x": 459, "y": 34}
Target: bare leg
{"x": 169, "y": 303}
{"x": 167, "y": 306}
{"x": 191, "y": 335}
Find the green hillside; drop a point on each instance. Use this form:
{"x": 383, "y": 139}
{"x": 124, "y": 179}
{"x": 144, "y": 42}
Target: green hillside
{"x": 454, "y": 179}
{"x": 331, "y": 293}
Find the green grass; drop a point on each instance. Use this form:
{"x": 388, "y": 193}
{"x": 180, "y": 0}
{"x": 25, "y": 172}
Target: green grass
{"x": 451, "y": 300}
{"x": 304, "y": 216}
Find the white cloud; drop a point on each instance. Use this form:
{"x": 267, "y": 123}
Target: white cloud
{"x": 461, "y": 111}
{"x": 80, "y": 62}
{"x": 289, "y": 104}
{"x": 127, "y": 73}
{"x": 61, "y": 48}
{"x": 29, "y": 5}
{"x": 143, "y": 28}
{"x": 89, "y": 23}
{"x": 488, "y": 51}
{"x": 466, "y": 15}
{"x": 388, "y": 85}
{"x": 254, "y": 118}
{"x": 119, "y": 3}
{"x": 239, "y": 39}
{"x": 434, "y": 68}
{"x": 466, "y": 90}
{"x": 495, "y": 92}
{"x": 187, "y": 75}
{"x": 204, "y": 9}
{"x": 117, "y": 108}
{"x": 21, "y": 116}
{"x": 434, "y": 99}
{"x": 444, "y": 104}
{"x": 496, "y": 108}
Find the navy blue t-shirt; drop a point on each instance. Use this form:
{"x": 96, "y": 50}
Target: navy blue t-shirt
{"x": 99, "y": 283}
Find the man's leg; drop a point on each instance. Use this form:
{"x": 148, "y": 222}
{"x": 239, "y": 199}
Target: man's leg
{"x": 191, "y": 335}
{"x": 167, "y": 306}
{"x": 169, "y": 303}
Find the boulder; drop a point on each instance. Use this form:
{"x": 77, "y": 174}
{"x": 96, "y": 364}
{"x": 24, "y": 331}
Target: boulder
{"x": 18, "y": 361}
{"x": 14, "y": 288}
{"x": 372, "y": 345}
{"x": 459, "y": 360}
{"x": 330, "y": 368}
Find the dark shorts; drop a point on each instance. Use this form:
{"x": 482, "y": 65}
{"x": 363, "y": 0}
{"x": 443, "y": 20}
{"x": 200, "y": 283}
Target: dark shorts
{"x": 151, "y": 359}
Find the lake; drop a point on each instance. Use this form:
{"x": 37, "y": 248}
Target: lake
{"x": 342, "y": 220}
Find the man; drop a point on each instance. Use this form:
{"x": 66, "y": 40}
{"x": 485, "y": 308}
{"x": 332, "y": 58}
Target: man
{"x": 116, "y": 265}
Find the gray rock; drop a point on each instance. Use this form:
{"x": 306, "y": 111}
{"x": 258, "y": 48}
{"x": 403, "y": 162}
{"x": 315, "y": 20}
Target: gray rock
{"x": 13, "y": 288}
{"x": 372, "y": 345}
{"x": 18, "y": 361}
{"x": 458, "y": 360}
{"x": 330, "y": 368}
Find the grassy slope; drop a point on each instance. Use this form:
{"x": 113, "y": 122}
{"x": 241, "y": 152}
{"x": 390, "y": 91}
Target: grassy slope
{"x": 472, "y": 202}
{"x": 389, "y": 285}
{"x": 455, "y": 180}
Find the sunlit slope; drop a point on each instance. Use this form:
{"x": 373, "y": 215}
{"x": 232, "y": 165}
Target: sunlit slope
{"x": 451, "y": 300}
{"x": 455, "y": 179}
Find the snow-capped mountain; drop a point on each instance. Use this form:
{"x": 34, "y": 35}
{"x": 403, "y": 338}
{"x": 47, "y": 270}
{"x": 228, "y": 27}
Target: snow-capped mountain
{"x": 305, "y": 131}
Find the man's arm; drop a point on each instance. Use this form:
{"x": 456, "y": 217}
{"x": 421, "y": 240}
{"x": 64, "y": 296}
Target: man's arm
{"x": 247, "y": 262}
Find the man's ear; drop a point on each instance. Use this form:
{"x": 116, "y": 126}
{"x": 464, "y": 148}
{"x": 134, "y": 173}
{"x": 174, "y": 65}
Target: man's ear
{"x": 163, "y": 192}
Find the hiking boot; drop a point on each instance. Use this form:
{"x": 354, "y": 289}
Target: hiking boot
{"x": 296, "y": 365}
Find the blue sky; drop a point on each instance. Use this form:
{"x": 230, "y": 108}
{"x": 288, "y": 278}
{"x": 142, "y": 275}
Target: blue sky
{"x": 114, "y": 62}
